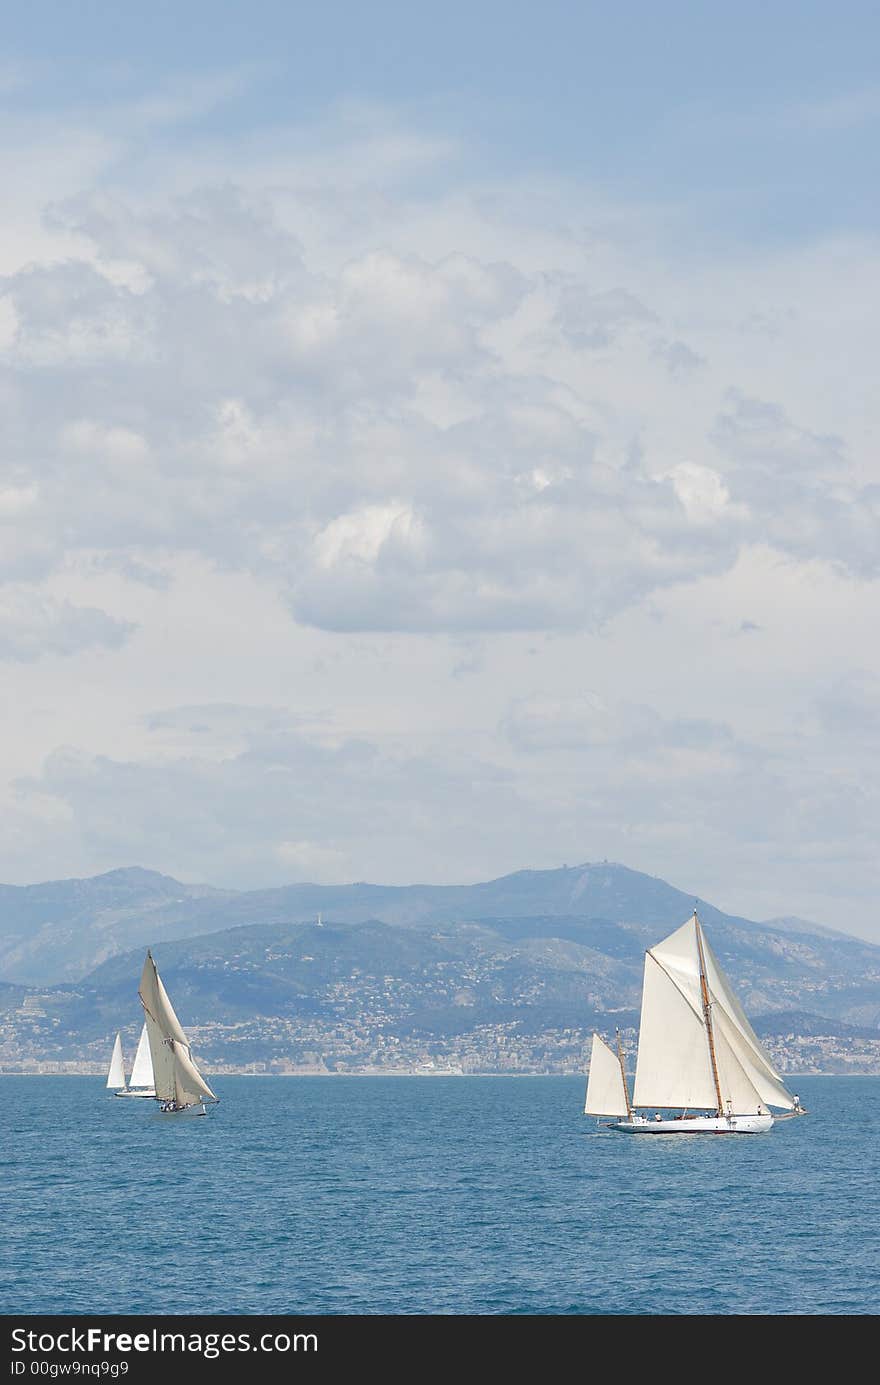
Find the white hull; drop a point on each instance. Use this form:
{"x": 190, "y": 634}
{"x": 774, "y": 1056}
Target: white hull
{"x": 696, "y": 1125}
{"x": 197, "y": 1109}
{"x": 128, "y": 1092}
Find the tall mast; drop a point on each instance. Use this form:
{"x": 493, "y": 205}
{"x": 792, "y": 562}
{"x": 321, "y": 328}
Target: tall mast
{"x": 707, "y": 1014}
{"x": 629, "y": 1109}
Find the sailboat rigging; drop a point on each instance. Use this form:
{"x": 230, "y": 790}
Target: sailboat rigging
{"x": 697, "y": 1052}
{"x": 179, "y": 1086}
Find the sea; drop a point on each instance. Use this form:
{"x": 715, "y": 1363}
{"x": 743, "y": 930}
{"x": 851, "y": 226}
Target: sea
{"x": 429, "y": 1195}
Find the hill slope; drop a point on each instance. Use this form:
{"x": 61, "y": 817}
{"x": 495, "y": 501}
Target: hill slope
{"x": 512, "y": 993}
{"x": 62, "y": 930}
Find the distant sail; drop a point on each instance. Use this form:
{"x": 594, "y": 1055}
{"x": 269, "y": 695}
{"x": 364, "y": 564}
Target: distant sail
{"x": 142, "y": 1070}
{"x": 606, "y": 1095}
{"x": 116, "y": 1072}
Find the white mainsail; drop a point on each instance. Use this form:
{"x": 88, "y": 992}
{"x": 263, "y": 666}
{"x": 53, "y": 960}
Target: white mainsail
{"x": 116, "y": 1071}
{"x": 606, "y": 1094}
{"x": 672, "y": 1067}
{"x": 176, "y": 1077}
{"x": 142, "y": 1068}
{"x": 696, "y": 1047}
{"x": 162, "y": 1059}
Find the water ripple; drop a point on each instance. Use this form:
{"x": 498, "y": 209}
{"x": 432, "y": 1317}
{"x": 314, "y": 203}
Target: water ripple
{"x": 490, "y": 1196}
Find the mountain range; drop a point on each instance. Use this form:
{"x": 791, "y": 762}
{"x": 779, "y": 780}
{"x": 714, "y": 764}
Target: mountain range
{"x": 63, "y": 929}
{"x": 315, "y": 971}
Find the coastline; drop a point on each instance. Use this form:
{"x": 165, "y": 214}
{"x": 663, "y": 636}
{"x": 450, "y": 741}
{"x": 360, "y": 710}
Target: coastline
{"x": 391, "y": 1072}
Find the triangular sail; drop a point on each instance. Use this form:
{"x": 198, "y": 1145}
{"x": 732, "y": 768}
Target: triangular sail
{"x": 156, "y": 1002}
{"x": 673, "y": 1067}
{"x": 142, "y": 1069}
{"x": 729, "y": 1018}
{"x": 606, "y": 1094}
{"x": 176, "y": 1077}
{"x": 769, "y": 1089}
{"x": 738, "y": 1093}
{"x": 683, "y": 1049}
{"x": 162, "y": 1059}
{"x": 116, "y": 1071}
{"x": 679, "y": 956}
{"x": 189, "y": 1084}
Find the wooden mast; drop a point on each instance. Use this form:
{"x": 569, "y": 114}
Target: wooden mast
{"x": 629, "y": 1109}
{"x": 707, "y": 1015}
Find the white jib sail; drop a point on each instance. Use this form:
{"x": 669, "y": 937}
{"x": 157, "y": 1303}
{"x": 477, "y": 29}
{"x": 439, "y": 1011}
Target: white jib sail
{"x": 116, "y": 1072}
{"x": 605, "y": 1091}
{"x": 767, "y": 1089}
{"x": 190, "y": 1086}
{"x": 142, "y": 1069}
{"x": 728, "y": 1018}
{"x": 739, "y": 1096}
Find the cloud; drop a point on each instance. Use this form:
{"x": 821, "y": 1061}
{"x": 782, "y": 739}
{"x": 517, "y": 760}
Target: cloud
{"x": 594, "y": 320}
{"x": 217, "y": 718}
{"x": 766, "y": 444}
{"x": 679, "y": 357}
{"x": 850, "y": 708}
{"x": 311, "y": 861}
{"x": 244, "y": 798}
{"x": 799, "y": 490}
{"x": 71, "y": 317}
{"x": 584, "y": 724}
{"x": 332, "y": 416}
{"x": 701, "y": 491}
{"x": 315, "y": 809}
{"x": 33, "y": 625}
{"x": 395, "y": 440}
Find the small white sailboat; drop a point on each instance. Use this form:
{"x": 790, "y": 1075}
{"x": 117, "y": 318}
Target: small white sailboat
{"x": 698, "y": 1055}
{"x": 116, "y": 1071}
{"x": 140, "y": 1083}
{"x": 178, "y": 1084}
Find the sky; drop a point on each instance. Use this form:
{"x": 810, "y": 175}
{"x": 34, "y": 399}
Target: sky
{"x": 437, "y": 442}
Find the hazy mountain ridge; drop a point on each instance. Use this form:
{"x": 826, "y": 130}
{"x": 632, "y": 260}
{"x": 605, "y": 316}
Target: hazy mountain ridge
{"x": 510, "y": 974}
{"x": 592, "y": 964}
{"x": 62, "y": 930}
{"x": 372, "y": 990}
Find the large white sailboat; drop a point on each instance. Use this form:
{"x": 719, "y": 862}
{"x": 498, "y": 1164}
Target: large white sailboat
{"x": 698, "y": 1055}
{"x": 179, "y": 1086}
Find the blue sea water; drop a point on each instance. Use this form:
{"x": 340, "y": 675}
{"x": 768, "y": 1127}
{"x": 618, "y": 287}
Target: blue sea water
{"x": 429, "y": 1195}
